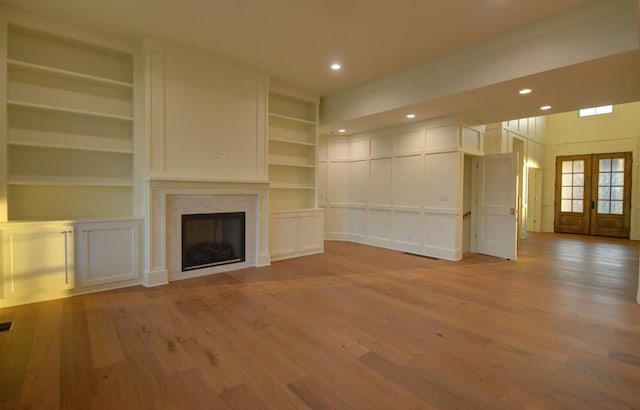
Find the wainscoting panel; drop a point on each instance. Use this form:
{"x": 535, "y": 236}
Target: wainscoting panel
{"x": 358, "y": 182}
{"x": 410, "y": 142}
{"x": 381, "y": 145}
{"x": 409, "y": 180}
{"x": 380, "y": 182}
{"x": 379, "y": 223}
{"x": 338, "y": 175}
{"x": 407, "y": 227}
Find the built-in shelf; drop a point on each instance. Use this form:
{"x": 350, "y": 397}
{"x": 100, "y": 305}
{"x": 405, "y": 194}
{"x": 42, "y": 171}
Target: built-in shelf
{"x": 70, "y": 127}
{"x": 286, "y": 141}
{"x": 283, "y": 164}
{"x": 37, "y": 68}
{"x": 63, "y": 146}
{"x": 68, "y": 110}
{"x": 292, "y": 119}
{"x": 292, "y": 153}
{"x": 68, "y": 181}
{"x": 43, "y": 139}
{"x": 291, "y": 186}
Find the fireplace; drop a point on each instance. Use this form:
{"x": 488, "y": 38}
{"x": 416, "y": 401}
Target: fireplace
{"x": 171, "y": 199}
{"x": 212, "y": 239}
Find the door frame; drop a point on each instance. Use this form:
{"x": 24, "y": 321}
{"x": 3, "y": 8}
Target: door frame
{"x": 589, "y": 217}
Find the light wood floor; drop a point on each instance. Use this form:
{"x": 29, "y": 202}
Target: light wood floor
{"x": 357, "y": 327}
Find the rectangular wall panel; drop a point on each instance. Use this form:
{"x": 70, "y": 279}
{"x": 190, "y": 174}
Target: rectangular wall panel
{"x": 358, "y": 182}
{"x": 380, "y": 182}
{"x": 359, "y": 148}
{"x": 358, "y": 222}
{"x": 409, "y": 181}
{"x": 379, "y": 224}
{"x": 407, "y": 227}
{"x": 410, "y": 142}
{"x": 381, "y": 145}
{"x": 442, "y": 139}
{"x": 338, "y": 189}
{"x": 442, "y": 175}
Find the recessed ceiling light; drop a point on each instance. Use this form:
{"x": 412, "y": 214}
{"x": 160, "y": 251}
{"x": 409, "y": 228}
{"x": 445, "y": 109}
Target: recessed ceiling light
{"x": 411, "y": 116}
{"x": 342, "y": 130}
{"x": 525, "y": 91}
{"x": 336, "y": 66}
{"x": 545, "y": 107}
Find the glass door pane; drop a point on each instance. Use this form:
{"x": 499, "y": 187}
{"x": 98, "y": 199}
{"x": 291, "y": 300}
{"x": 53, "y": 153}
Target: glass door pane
{"x": 572, "y": 190}
{"x": 610, "y": 186}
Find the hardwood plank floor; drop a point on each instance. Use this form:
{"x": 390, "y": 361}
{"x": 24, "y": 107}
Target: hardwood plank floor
{"x": 357, "y": 327}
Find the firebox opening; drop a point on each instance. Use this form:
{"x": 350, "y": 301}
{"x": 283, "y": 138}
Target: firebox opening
{"x": 212, "y": 239}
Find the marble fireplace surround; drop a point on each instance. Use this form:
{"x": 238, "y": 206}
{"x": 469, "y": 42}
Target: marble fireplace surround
{"x": 169, "y": 200}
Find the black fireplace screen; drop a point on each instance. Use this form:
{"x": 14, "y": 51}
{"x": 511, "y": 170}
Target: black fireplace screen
{"x": 212, "y": 239}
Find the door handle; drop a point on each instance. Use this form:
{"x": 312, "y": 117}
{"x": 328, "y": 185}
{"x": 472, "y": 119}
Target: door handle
{"x": 593, "y": 204}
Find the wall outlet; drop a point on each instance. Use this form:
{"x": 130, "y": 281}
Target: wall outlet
{"x": 221, "y": 154}
{"x": 409, "y": 235}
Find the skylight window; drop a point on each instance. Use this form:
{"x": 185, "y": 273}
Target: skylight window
{"x": 603, "y": 109}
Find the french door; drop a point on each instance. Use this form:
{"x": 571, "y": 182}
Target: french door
{"x": 593, "y": 194}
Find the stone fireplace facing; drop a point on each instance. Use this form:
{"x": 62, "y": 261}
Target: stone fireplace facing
{"x": 201, "y": 228}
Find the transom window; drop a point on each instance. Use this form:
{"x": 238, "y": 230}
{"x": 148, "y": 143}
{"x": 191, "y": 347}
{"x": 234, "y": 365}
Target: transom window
{"x": 572, "y": 186}
{"x": 611, "y": 186}
{"x": 588, "y": 112}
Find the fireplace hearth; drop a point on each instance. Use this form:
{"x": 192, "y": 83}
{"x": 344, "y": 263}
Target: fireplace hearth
{"x": 212, "y": 239}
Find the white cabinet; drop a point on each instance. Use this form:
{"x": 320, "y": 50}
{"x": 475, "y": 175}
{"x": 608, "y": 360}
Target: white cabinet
{"x": 108, "y": 253}
{"x": 70, "y": 110}
{"x": 37, "y": 262}
{"x": 296, "y": 233}
{"x": 42, "y": 261}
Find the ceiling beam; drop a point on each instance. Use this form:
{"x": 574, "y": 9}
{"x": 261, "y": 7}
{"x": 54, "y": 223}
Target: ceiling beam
{"x": 597, "y": 30}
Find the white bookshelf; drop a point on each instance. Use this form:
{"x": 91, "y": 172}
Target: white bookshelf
{"x": 296, "y": 224}
{"x": 69, "y": 128}
{"x": 292, "y": 153}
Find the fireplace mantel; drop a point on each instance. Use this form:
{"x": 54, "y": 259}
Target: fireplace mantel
{"x": 161, "y": 190}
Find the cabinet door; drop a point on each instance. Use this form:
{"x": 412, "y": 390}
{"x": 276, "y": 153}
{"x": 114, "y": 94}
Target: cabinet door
{"x": 311, "y": 231}
{"x": 108, "y": 252}
{"x": 282, "y": 234}
{"x": 38, "y": 263}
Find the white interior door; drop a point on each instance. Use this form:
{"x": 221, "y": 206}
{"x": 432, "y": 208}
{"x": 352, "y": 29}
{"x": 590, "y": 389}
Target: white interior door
{"x": 496, "y": 205}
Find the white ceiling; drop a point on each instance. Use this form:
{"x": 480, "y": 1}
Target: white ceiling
{"x": 295, "y": 41}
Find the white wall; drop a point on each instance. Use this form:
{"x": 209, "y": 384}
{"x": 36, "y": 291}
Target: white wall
{"x": 207, "y": 117}
{"x": 398, "y": 188}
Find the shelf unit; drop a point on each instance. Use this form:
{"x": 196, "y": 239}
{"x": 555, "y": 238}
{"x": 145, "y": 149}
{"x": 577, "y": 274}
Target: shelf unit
{"x": 296, "y": 225}
{"x": 70, "y": 121}
{"x": 292, "y": 153}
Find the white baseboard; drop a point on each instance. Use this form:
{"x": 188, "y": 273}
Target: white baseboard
{"x": 263, "y": 260}
{"x": 156, "y": 278}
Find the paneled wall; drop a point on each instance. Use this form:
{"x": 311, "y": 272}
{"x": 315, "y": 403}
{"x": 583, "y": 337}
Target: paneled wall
{"x": 567, "y": 134}
{"x": 207, "y": 117}
{"x": 525, "y": 137}
{"x": 399, "y": 188}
